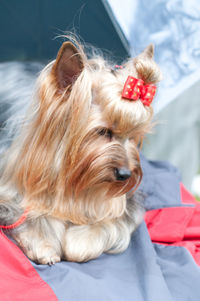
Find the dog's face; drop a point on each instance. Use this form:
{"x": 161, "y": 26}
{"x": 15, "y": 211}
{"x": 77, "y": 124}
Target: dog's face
{"x": 80, "y": 155}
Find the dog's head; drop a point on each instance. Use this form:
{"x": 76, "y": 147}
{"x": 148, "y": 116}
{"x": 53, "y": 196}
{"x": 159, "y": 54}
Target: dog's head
{"x": 81, "y": 149}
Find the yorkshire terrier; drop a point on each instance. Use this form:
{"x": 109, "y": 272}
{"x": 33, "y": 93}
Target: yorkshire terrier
{"x": 68, "y": 181}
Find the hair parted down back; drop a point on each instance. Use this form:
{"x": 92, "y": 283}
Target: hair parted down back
{"x": 62, "y": 163}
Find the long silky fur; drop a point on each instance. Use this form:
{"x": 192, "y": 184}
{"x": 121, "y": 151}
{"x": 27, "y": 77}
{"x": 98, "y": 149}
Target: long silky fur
{"x": 61, "y": 169}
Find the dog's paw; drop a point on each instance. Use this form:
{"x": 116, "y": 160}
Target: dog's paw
{"x": 83, "y": 243}
{"x": 50, "y": 260}
{"x": 45, "y": 255}
{"x": 37, "y": 250}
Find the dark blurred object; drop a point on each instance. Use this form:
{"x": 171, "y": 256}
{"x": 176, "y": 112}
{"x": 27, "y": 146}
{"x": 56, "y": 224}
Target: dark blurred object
{"x": 29, "y": 28}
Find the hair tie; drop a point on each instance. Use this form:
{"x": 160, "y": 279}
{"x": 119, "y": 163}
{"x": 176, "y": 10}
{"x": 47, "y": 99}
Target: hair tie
{"x": 135, "y": 89}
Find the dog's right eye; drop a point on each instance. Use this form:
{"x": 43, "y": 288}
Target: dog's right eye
{"x": 106, "y": 133}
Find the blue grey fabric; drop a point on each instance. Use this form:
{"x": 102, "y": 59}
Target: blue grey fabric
{"x": 145, "y": 271}
{"x": 160, "y": 183}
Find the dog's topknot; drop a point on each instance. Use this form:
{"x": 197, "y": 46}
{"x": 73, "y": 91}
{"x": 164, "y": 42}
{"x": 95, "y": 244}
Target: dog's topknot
{"x": 146, "y": 68}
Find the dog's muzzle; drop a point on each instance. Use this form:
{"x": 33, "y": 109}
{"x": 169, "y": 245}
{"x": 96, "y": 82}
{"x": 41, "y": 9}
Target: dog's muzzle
{"x": 122, "y": 174}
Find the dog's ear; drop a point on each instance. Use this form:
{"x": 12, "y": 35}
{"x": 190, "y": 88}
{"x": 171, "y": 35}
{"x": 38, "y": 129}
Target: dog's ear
{"x": 148, "y": 52}
{"x": 68, "y": 65}
{"x": 146, "y": 68}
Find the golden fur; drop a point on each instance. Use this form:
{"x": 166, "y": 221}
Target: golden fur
{"x": 61, "y": 166}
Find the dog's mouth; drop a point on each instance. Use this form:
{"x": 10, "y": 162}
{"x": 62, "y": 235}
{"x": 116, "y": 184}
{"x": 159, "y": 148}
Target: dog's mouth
{"x": 118, "y": 182}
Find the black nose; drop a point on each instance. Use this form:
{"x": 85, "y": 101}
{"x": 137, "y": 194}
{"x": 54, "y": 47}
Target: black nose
{"x": 122, "y": 174}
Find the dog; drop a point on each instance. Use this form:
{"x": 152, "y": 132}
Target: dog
{"x": 68, "y": 181}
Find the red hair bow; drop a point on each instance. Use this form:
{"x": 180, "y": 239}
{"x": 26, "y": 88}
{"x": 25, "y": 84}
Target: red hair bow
{"x": 135, "y": 89}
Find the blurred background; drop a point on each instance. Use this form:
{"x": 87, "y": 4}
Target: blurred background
{"x": 120, "y": 29}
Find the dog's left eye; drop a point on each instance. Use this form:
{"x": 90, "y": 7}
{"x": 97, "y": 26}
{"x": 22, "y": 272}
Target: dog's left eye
{"x": 106, "y": 132}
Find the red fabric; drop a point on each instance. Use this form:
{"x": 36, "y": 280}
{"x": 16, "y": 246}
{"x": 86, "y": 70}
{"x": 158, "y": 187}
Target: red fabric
{"x": 19, "y": 281}
{"x": 135, "y": 89}
{"x": 177, "y": 226}
{"x": 186, "y": 196}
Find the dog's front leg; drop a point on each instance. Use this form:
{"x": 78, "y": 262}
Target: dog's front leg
{"x": 41, "y": 239}
{"x": 84, "y": 242}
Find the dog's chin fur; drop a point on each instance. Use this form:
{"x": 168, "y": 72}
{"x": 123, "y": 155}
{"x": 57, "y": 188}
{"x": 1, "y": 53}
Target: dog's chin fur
{"x": 62, "y": 165}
